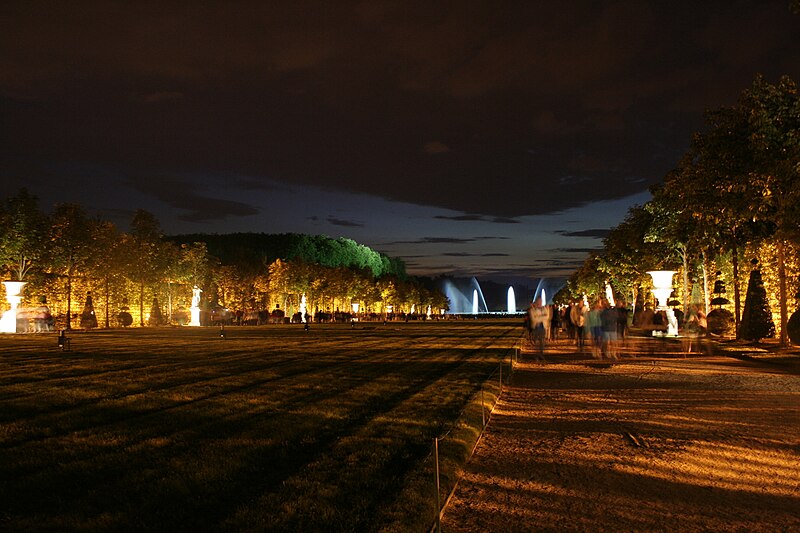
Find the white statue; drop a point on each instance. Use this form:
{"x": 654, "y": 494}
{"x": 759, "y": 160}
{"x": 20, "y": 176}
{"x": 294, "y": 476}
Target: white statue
{"x": 196, "y": 296}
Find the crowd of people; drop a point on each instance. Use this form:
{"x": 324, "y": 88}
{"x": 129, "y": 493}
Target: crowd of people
{"x": 599, "y": 327}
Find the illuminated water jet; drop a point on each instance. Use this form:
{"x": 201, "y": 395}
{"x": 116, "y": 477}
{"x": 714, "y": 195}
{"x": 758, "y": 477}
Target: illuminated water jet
{"x": 512, "y": 301}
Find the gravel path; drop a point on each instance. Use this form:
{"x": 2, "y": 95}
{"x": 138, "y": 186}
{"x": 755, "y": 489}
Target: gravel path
{"x": 645, "y": 444}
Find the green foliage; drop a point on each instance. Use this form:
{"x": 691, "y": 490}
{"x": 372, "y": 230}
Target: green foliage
{"x": 720, "y": 322}
{"x": 22, "y": 228}
{"x": 757, "y": 317}
{"x": 254, "y": 250}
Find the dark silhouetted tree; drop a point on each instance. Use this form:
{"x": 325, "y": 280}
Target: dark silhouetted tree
{"x": 757, "y": 321}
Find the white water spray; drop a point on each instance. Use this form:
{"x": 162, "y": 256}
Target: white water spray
{"x": 512, "y": 301}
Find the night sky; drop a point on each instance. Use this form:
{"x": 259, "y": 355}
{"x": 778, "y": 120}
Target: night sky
{"x": 496, "y": 139}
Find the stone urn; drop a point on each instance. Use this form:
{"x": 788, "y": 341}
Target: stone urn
{"x": 8, "y": 323}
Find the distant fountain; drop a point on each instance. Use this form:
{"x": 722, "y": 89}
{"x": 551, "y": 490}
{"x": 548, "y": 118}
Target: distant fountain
{"x": 460, "y": 303}
{"x": 477, "y": 289}
{"x": 546, "y": 289}
{"x": 512, "y": 301}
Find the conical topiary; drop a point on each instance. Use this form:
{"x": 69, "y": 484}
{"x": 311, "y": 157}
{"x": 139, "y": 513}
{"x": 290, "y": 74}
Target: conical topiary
{"x": 793, "y": 326}
{"x": 88, "y": 318}
{"x": 757, "y": 321}
{"x": 156, "y": 319}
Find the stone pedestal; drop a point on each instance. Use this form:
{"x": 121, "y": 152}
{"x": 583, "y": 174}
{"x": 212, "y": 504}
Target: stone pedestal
{"x": 8, "y": 324}
{"x": 662, "y": 281}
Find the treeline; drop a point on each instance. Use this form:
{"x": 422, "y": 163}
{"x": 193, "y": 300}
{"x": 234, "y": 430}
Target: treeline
{"x": 252, "y": 250}
{"x": 732, "y": 204}
{"x": 66, "y": 255}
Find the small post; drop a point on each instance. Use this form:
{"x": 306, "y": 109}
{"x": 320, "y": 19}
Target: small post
{"x": 63, "y": 340}
{"x": 222, "y": 331}
{"x": 436, "y": 468}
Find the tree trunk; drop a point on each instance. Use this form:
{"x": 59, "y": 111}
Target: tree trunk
{"x": 169, "y": 300}
{"x": 685, "y": 259}
{"x": 141, "y": 303}
{"x": 69, "y": 299}
{"x": 784, "y": 338}
{"x": 706, "y": 303}
{"x": 108, "y": 307}
{"x": 737, "y": 299}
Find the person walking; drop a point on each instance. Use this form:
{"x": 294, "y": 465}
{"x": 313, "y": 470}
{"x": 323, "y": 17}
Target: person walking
{"x": 577, "y": 316}
{"x": 594, "y": 327}
{"x": 538, "y": 321}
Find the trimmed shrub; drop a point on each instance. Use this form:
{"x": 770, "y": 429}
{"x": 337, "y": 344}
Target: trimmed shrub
{"x": 721, "y": 322}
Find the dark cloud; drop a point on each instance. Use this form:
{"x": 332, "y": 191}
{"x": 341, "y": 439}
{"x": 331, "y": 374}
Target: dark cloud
{"x": 477, "y": 218}
{"x": 162, "y": 96}
{"x": 466, "y": 254}
{"x": 447, "y": 240}
{"x": 530, "y": 109}
{"x": 345, "y": 223}
{"x": 183, "y": 195}
{"x": 598, "y": 233}
{"x": 436, "y": 147}
{"x": 575, "y": 250}
{"x": 251, "y": 184}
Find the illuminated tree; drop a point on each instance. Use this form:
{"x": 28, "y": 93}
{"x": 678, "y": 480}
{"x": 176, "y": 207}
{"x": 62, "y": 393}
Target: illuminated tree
{"x": 773, "y": 113}
{"x": 194, "y": 263}
{"x": 589, "y": 279}
{"x": 106, "y": 262}
{"x": 628, "y": 254}
{"x": 145, "y": 261}
{"x": 22, "y": 232}
{"x": 70, "y": 247}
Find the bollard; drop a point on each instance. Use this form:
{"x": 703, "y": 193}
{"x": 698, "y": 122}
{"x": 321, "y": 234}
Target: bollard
{"x": 63, "y": 340}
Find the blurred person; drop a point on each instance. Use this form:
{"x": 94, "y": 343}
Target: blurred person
{"x": 555, "y": 321}
{"x": 594, "y": 327}
{"x": 569, "y": 327}
{"x": 608, "y": 319}
{"x": 577, "y": 316}
{"x": 538, "y": 321}
{"x": 622, "y": 321}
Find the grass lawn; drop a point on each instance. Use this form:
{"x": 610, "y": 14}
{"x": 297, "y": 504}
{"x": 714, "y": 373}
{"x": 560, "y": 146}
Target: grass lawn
{"x": 272, "y": 428}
